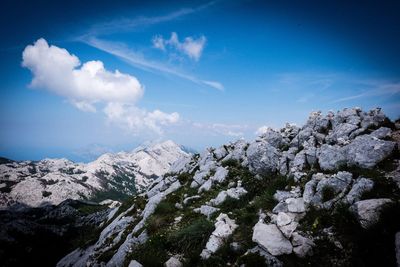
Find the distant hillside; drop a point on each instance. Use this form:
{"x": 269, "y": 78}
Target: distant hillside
{"x": 116, "y": 176}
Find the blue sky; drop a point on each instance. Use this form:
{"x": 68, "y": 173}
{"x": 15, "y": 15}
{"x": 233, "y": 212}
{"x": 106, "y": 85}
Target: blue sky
{"x": 197, "y": 72}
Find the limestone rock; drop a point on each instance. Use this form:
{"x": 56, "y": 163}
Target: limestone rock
{"x": 382, "y": 133}
{"x": 360, "y": 186}
{"x": 283, "y": 219}
{"x": 134, "y": 263}
{"x": 270, "y": 238}
{"x": 368, "y": 211}
{"x": 206, "y": 210}
{"x": 295, "y": 205}
{"x": 302, "y": 246}
{"x": 331, "y": 157}
{"x": 224, "y": 227}
{"x": 173, "y": 262}
{"x": 366, "y": 151}
{"x": 262, "y": 157}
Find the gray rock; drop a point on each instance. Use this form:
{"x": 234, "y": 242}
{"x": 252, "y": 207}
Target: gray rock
{"x": 382, "y": 133}
{"x": 368, "y": 211}
{"x": 206, "y": 210}
{"x": 366, "y": 151}
{"x": 270, "y": 238}
{"x": 302, "y": 246}
{"x": 374, "y": 117}
{"x": 220, "y": 175}
{"x": 339, "y": 184}
{"x": 288, "y": 230}
{"x": 283, "y": 219}
{"x": 318, "y": 122}
{"x": 299, "y": 163}
{"x": 302, "y": 136}
{"x": 262, "y": 157}
{"x": 273, "y": 137}
{"x": 295, "y": 205}
{"x": 280, "y": 207}
{"x": 310, "y": 187}
{"x": 127, "y": 246}
{"x": 360, "y": 186}
{"x": 206, "y": 186}
{"x": 224, "y": 227}
{"x": 173, "y": 262}
{"x": 341, "y": 131}
{"x": 237, "y": 150}
{"x": 311, "y": 155}
{"x": 331, "y": 157}
{"x": 220, "y": 153}
{"x": 283, "y": 195}
{"x": 235, "y": 193}
{"x": 134, "y": 263}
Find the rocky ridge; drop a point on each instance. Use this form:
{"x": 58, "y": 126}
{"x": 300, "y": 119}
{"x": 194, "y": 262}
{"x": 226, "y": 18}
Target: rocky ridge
{"x": 320, "y": 194}
{"x": 51, "y": 181}
{"x": 324, "y": 194}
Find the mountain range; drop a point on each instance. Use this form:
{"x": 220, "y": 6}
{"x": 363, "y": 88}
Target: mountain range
{"x": 323, "y": 194}
{"x": 116, "y": 176}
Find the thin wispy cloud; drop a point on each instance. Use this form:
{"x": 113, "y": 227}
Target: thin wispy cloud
{"x": 138, "y": 60}
{"x": 191, "y": 47}
{"x": 234, "y": 130}
{"x": 379, "y": 88}
{"x": 131, "y": 24}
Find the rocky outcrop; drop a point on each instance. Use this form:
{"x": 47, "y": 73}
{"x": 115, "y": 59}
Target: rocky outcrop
{"x": 368, "y": 211}
{"x": 262, "y": 157}
{"x": 300, "y": 182}
{"x": 270, "y": 238}
{"x": 224, "y": 227}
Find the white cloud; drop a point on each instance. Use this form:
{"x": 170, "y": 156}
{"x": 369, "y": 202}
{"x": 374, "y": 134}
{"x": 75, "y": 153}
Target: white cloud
{"x": 216, "y": 85}
{"x": 158, "y": 42}
{"x": 131, "y": 24}
{"x": 191, "y": 47}
{"x": 379, "y": 88}
{"x": 85, "y": 85}
{"x": 235, "y": 130}
{"x": 57, "y": 71}
{"x": 136, "y": 120}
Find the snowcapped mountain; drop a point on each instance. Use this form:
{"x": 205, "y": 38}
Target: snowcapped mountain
{"x": 52, "y": 181}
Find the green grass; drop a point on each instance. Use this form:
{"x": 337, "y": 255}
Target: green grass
{"x": 328, "y": 193}
{"x": 89, "y": 209}
{"x": 191, "y": 239}
{"x": 162, "y": 217}
{"x": 252, "y": 260}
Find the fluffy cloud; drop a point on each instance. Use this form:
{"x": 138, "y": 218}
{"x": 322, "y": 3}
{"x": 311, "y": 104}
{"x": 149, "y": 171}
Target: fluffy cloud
{"x": 85, "y": 85}
{"x": 56, "y": 70}
{"x": 191, "y": 47}
{"x": 137, "y": 120}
